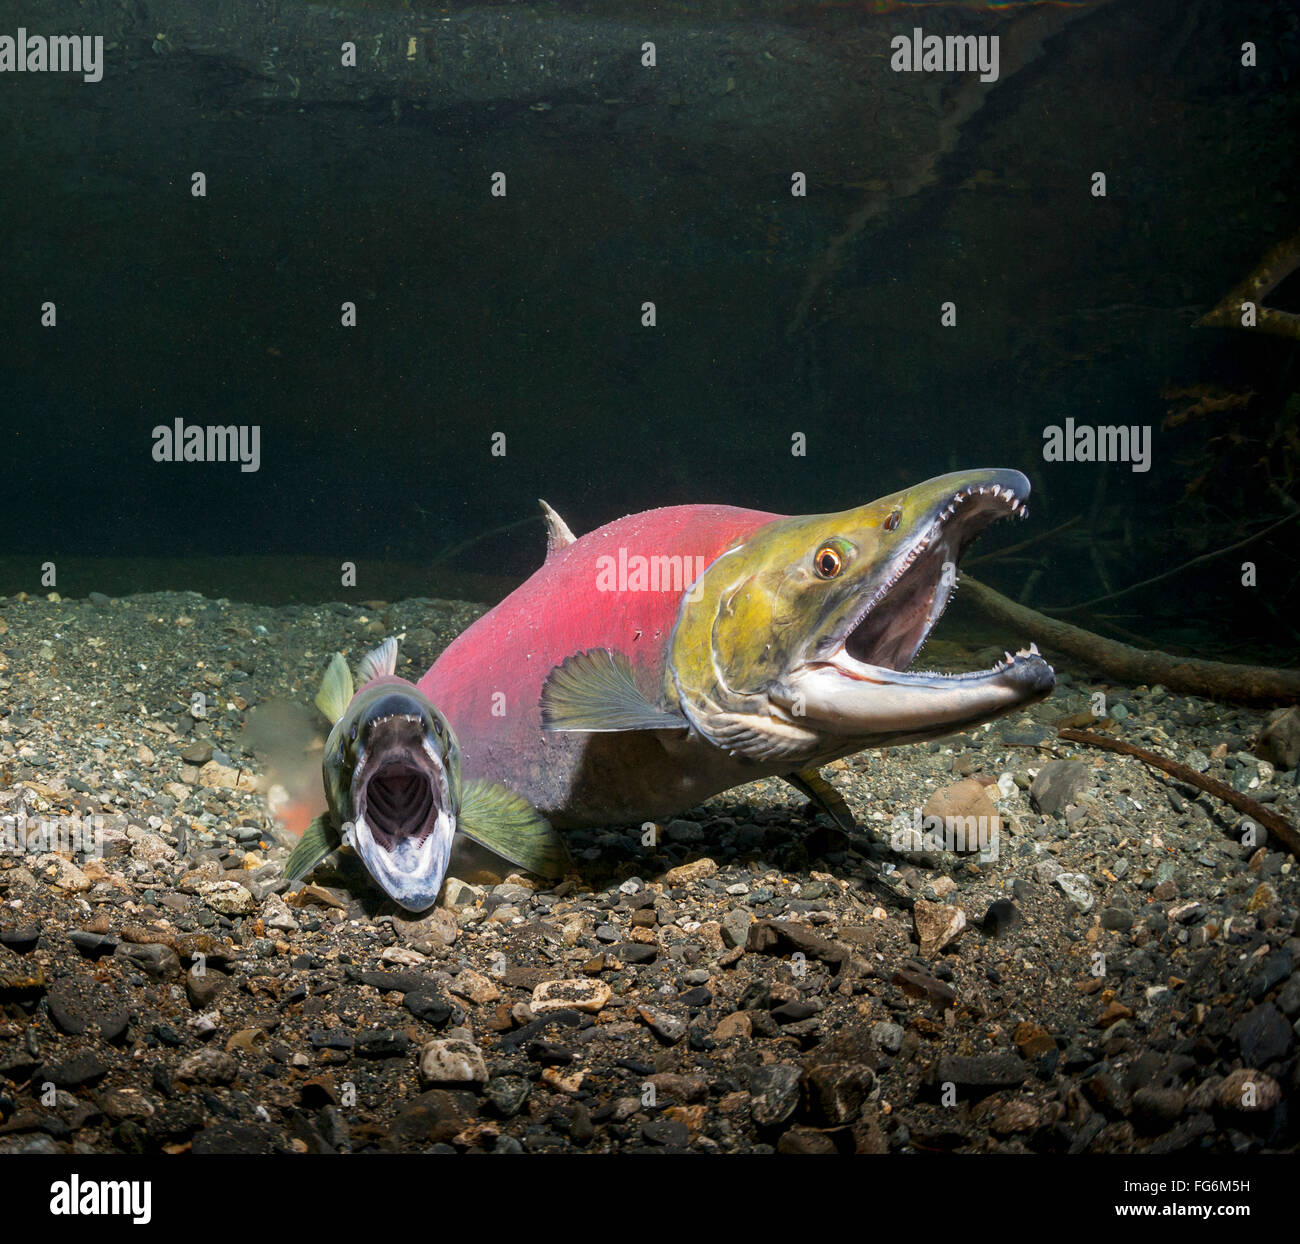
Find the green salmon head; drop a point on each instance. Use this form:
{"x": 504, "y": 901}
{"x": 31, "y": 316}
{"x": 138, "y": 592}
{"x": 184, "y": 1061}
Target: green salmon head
{"x": 794, "y": 644}
{"x": 392, "y": 778}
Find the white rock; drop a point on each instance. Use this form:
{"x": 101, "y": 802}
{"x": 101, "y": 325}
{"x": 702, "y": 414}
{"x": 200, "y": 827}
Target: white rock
{"x": 578, "y": 993}
{"x": 227, "y": 897}
{"x": 402, "y": 955}
{"x": 1078, "y": 889}
{"x": 452, "y": 1061}
{"x": 276, "y": 914}
{"x": 64, "y": 874}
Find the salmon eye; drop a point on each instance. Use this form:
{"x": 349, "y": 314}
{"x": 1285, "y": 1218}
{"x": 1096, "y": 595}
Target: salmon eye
{"x": 895, "y": 517}
{"x": 828, "y": 562}
{"x": 352, "y": 734}
{"x": 437, "y": 727}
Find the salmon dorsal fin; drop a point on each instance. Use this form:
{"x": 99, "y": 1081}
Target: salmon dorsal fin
{"x": 558, "y": 535}
{"x": 377, "y": 663}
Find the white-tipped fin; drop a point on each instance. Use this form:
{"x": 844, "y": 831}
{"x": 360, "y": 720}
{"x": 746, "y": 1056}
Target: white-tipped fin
{"x": 378, "y": 662}
{"x": 558, "y": 535}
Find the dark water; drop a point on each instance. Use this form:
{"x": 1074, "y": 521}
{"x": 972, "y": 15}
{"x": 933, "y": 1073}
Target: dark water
{"x": 521, "y": 315}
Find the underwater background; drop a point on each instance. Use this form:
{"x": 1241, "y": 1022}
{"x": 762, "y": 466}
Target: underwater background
{"x": 776, "y": 314}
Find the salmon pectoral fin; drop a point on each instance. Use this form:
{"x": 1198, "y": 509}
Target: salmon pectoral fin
{"x": 506, "y": 823}
{"x": 811, "y": 783}
{"x": 595, "y": 691}
{"x": 317, "y": 841}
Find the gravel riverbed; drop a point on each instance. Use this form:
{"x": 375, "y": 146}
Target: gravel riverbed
{"x": 1118, "y": 973}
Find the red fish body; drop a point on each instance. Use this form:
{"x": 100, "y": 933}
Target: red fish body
{"x": 676, "y": 653}
{"x": 488, "y": 682}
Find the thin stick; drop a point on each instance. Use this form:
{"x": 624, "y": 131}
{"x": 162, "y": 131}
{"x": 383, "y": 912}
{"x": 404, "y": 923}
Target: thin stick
{"x": 1024, "y": 544}
{"x": 1204, "y": 557}
{"x": 1124, "y": 663}
{"x": 439, "y": 558}
{"x": 1272, "y": 821}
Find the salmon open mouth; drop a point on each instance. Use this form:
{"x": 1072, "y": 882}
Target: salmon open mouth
{"x": 400, "y": 801}
{"x": 902, "y": 611}
{"x": 404, "y": 816}
{"x": 856, "y": 683}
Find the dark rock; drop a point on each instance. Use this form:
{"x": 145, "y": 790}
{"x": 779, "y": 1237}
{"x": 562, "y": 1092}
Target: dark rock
{"x": 1279, "y": 741}
{"x": 774, "y": 1094}
{"x": 428, "y": 1006}
{"x": 76, "y": 1005}
{"x": 383, "y": 1043}
{"x": 981, "y": 1073}
{"x": 1106, "y": 1093}
{"x": 836, "y": 1091}
{"x": 20, "y": 938}
{"x": 84, "y": 1067}
{"x": 435, "y": 1117}
{"x": 1002, "y": 916}
{"x": 198, "y": 752}
{"x": 1272, "y": 972}
{"x": 203, "y": 987}
{"x": 156, "y": 961}
{"x": 1156, "y": 1110}
{"x": 93, "y": 945}
{"x": 776, "y": 937}
{"x": 637, "y": 952}
{"x": 671, "y": 1133}
{"x": 1059, "y": 782}
{"x": 1117, "y": 919}
{"x": 394, "y": 982}
{"x": 331, "y": 1039}
{"x": 1263, "y": 1035}
{"x": 230, "y": 1137}
{"x": 923, "y": 985}
{"x": 793, "y": 1012}
{"x": 805, "y": 1140}
{"x": 506, "y": 1094}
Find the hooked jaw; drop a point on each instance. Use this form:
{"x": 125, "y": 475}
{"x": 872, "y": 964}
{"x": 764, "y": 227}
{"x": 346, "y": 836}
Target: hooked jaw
{"x": 404, "y": 821}
{"x": 855, "y": 682}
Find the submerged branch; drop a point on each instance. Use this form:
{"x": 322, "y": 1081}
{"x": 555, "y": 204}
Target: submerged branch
{"x": 1274, "y": 822}
{"x": 1265, "y": 277}
{"x": 1217, "y": 680}
{"x": 1196, "y": 561}
{"x": 999, "y": 554}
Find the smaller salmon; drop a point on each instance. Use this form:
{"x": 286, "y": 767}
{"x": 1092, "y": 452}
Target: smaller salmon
{"x": 392, "y": 780}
